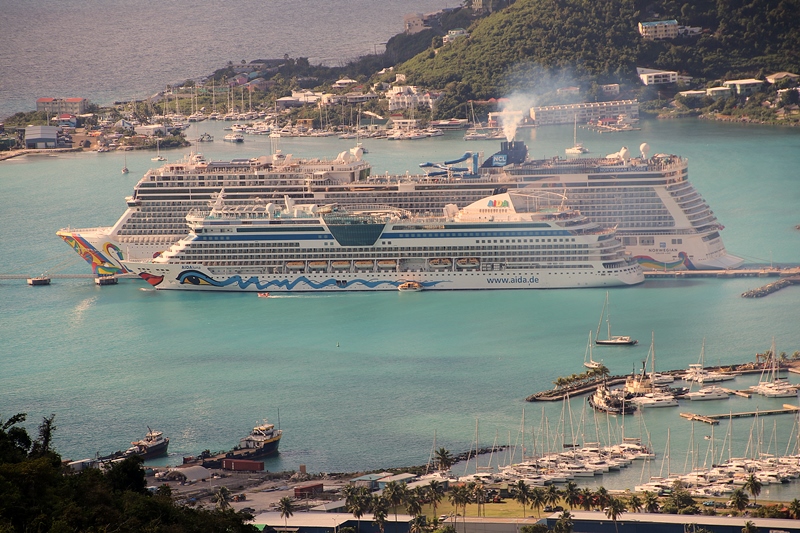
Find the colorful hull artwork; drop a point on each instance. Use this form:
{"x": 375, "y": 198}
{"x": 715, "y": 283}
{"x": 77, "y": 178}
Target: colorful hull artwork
{"x": 649, "y": 263}
{"x": 196, "y": 278}
{"x": 103, "y": 264}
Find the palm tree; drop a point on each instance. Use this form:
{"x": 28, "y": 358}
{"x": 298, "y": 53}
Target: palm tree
{"x": 635, "y": 503}
{"x": 395, "y": 493}
{"x": 794, "y": 509}
{"x": 601, "y": 497}
{"x": 435, "y": 494}
{"x": 572, "y": 495}
{"x": 650, "y": 502}
{"x": 414, "y": 502}
{"x": 564, "y": 523}
{"x": 614, "y": 510}
{"x": 479, "y": 496}
{"x": 286, "y": 508}
{"x": 753, "y": 486}
{"x": 537, "y": 497}
{"x": 380, "y": 509}
{"x": 358, "y": 502}
{"x": 522, "y": 494}
{"x": 587, "y": 497}
{"x": 749, "y": 527}
{"x": 552, "y": 496}
{"x": 417, "y": 525}
{"x": 739, "y": 500}
{"x": 222, "y": 497}
{"x": 444, "y": 459}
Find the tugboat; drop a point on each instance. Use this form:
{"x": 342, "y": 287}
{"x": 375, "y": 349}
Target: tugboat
{"x": 154, "y": 444}
{"x": 262, "y": 442}
{"x": 615, "y": 402}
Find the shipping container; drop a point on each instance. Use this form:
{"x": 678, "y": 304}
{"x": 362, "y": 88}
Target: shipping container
{"x": 242, "y": 465}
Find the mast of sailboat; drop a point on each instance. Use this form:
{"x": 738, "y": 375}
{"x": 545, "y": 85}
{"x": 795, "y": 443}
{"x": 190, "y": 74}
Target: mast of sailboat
{"x": 600, "y": 323}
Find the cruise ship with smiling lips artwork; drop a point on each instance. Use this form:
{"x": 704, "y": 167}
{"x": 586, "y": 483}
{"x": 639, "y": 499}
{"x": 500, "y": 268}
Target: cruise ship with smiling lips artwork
{"x": 660, "y": 218}
{"x": 499, "y": 242}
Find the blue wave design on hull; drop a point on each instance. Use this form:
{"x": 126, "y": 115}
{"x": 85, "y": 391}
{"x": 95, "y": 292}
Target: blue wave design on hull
{"x": 194, "y": 277}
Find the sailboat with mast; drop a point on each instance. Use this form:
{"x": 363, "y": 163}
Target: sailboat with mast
{"x": 611, "y": 340}
{"x": 125, "y": 164}
{"x": 771, "y": 384}
{"x": 577, "y": 148}
{"x": 590, "y": 363}
{"x": 158, "y": 156}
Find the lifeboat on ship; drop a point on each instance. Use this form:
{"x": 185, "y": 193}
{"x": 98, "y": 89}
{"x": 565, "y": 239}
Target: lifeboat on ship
{"x": 387, "y": 264}
{"x": 440, "y": 262}
{"x": 340, "y": 265}
{"x": 468, "y": 263}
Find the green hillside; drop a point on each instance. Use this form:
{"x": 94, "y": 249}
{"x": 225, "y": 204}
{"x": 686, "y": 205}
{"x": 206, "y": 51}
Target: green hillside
{"x": 534, "y": 44}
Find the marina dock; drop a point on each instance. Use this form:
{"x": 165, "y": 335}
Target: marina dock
{"x": 714, "y": 419}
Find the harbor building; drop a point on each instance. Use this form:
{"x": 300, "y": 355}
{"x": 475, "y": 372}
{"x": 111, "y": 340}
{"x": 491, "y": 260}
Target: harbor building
{"x": 744, "y": 87}
{"x": 452, "y": 35}
{"x": 584, "y": 112}
{"x": 74, "y": 106}
{"x": 651, "y": 76}
{"x": 660, "y": 29}
{"x": 598, "y": 522}
{"x": 41, "y": 137}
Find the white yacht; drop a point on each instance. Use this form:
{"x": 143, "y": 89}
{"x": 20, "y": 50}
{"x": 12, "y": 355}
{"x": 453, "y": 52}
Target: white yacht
{"x": 655, "y": 399}
{"x": 708, "y": 393}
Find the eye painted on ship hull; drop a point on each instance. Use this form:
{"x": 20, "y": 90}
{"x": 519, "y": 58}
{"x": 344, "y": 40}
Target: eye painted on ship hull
{"x": 193, "y": 277}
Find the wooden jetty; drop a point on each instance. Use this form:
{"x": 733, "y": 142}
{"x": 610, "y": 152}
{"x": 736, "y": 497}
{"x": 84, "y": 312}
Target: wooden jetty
{"x": 714, "y": 419}
{"x": 742, "y": 393}
{"x": 700, "y": 418}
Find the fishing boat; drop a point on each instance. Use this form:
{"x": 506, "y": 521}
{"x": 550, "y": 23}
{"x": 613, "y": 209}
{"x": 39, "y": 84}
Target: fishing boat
{"x": 611, "y": 340}
{"x": 590, "y": 363}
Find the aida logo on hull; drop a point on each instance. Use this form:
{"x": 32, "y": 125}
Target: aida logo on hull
{"x": 498, "y": 203}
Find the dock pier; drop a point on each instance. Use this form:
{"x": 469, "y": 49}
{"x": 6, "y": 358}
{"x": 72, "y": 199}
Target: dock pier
{"x": 700, "y": 418}
{"x": 714, "y": 419}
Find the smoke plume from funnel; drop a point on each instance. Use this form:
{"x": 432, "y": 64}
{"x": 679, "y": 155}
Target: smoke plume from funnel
{"x": 515, "y": 109}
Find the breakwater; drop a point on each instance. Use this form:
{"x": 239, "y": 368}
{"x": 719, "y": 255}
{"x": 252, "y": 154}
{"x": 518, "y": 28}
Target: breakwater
{"x": 768, "y": 289}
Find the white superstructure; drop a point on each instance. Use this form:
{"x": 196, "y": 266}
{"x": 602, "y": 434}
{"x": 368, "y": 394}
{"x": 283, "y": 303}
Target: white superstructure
{"x": 660, "y": 218}
{"x": 500, "y": 242}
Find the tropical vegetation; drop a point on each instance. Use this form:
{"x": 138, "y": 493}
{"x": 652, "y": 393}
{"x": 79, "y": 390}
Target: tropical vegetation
{"x": 38, "y": 494}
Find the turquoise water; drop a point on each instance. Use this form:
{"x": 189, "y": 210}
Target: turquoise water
{"x": 362, "y": 381}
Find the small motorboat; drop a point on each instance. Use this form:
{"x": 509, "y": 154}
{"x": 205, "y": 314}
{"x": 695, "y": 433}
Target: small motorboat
{"x": 263, "y": 295}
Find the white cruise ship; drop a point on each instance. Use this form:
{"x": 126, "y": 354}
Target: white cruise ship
{"x": 660, "y": 218}
{"x": 499, "y": 242}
